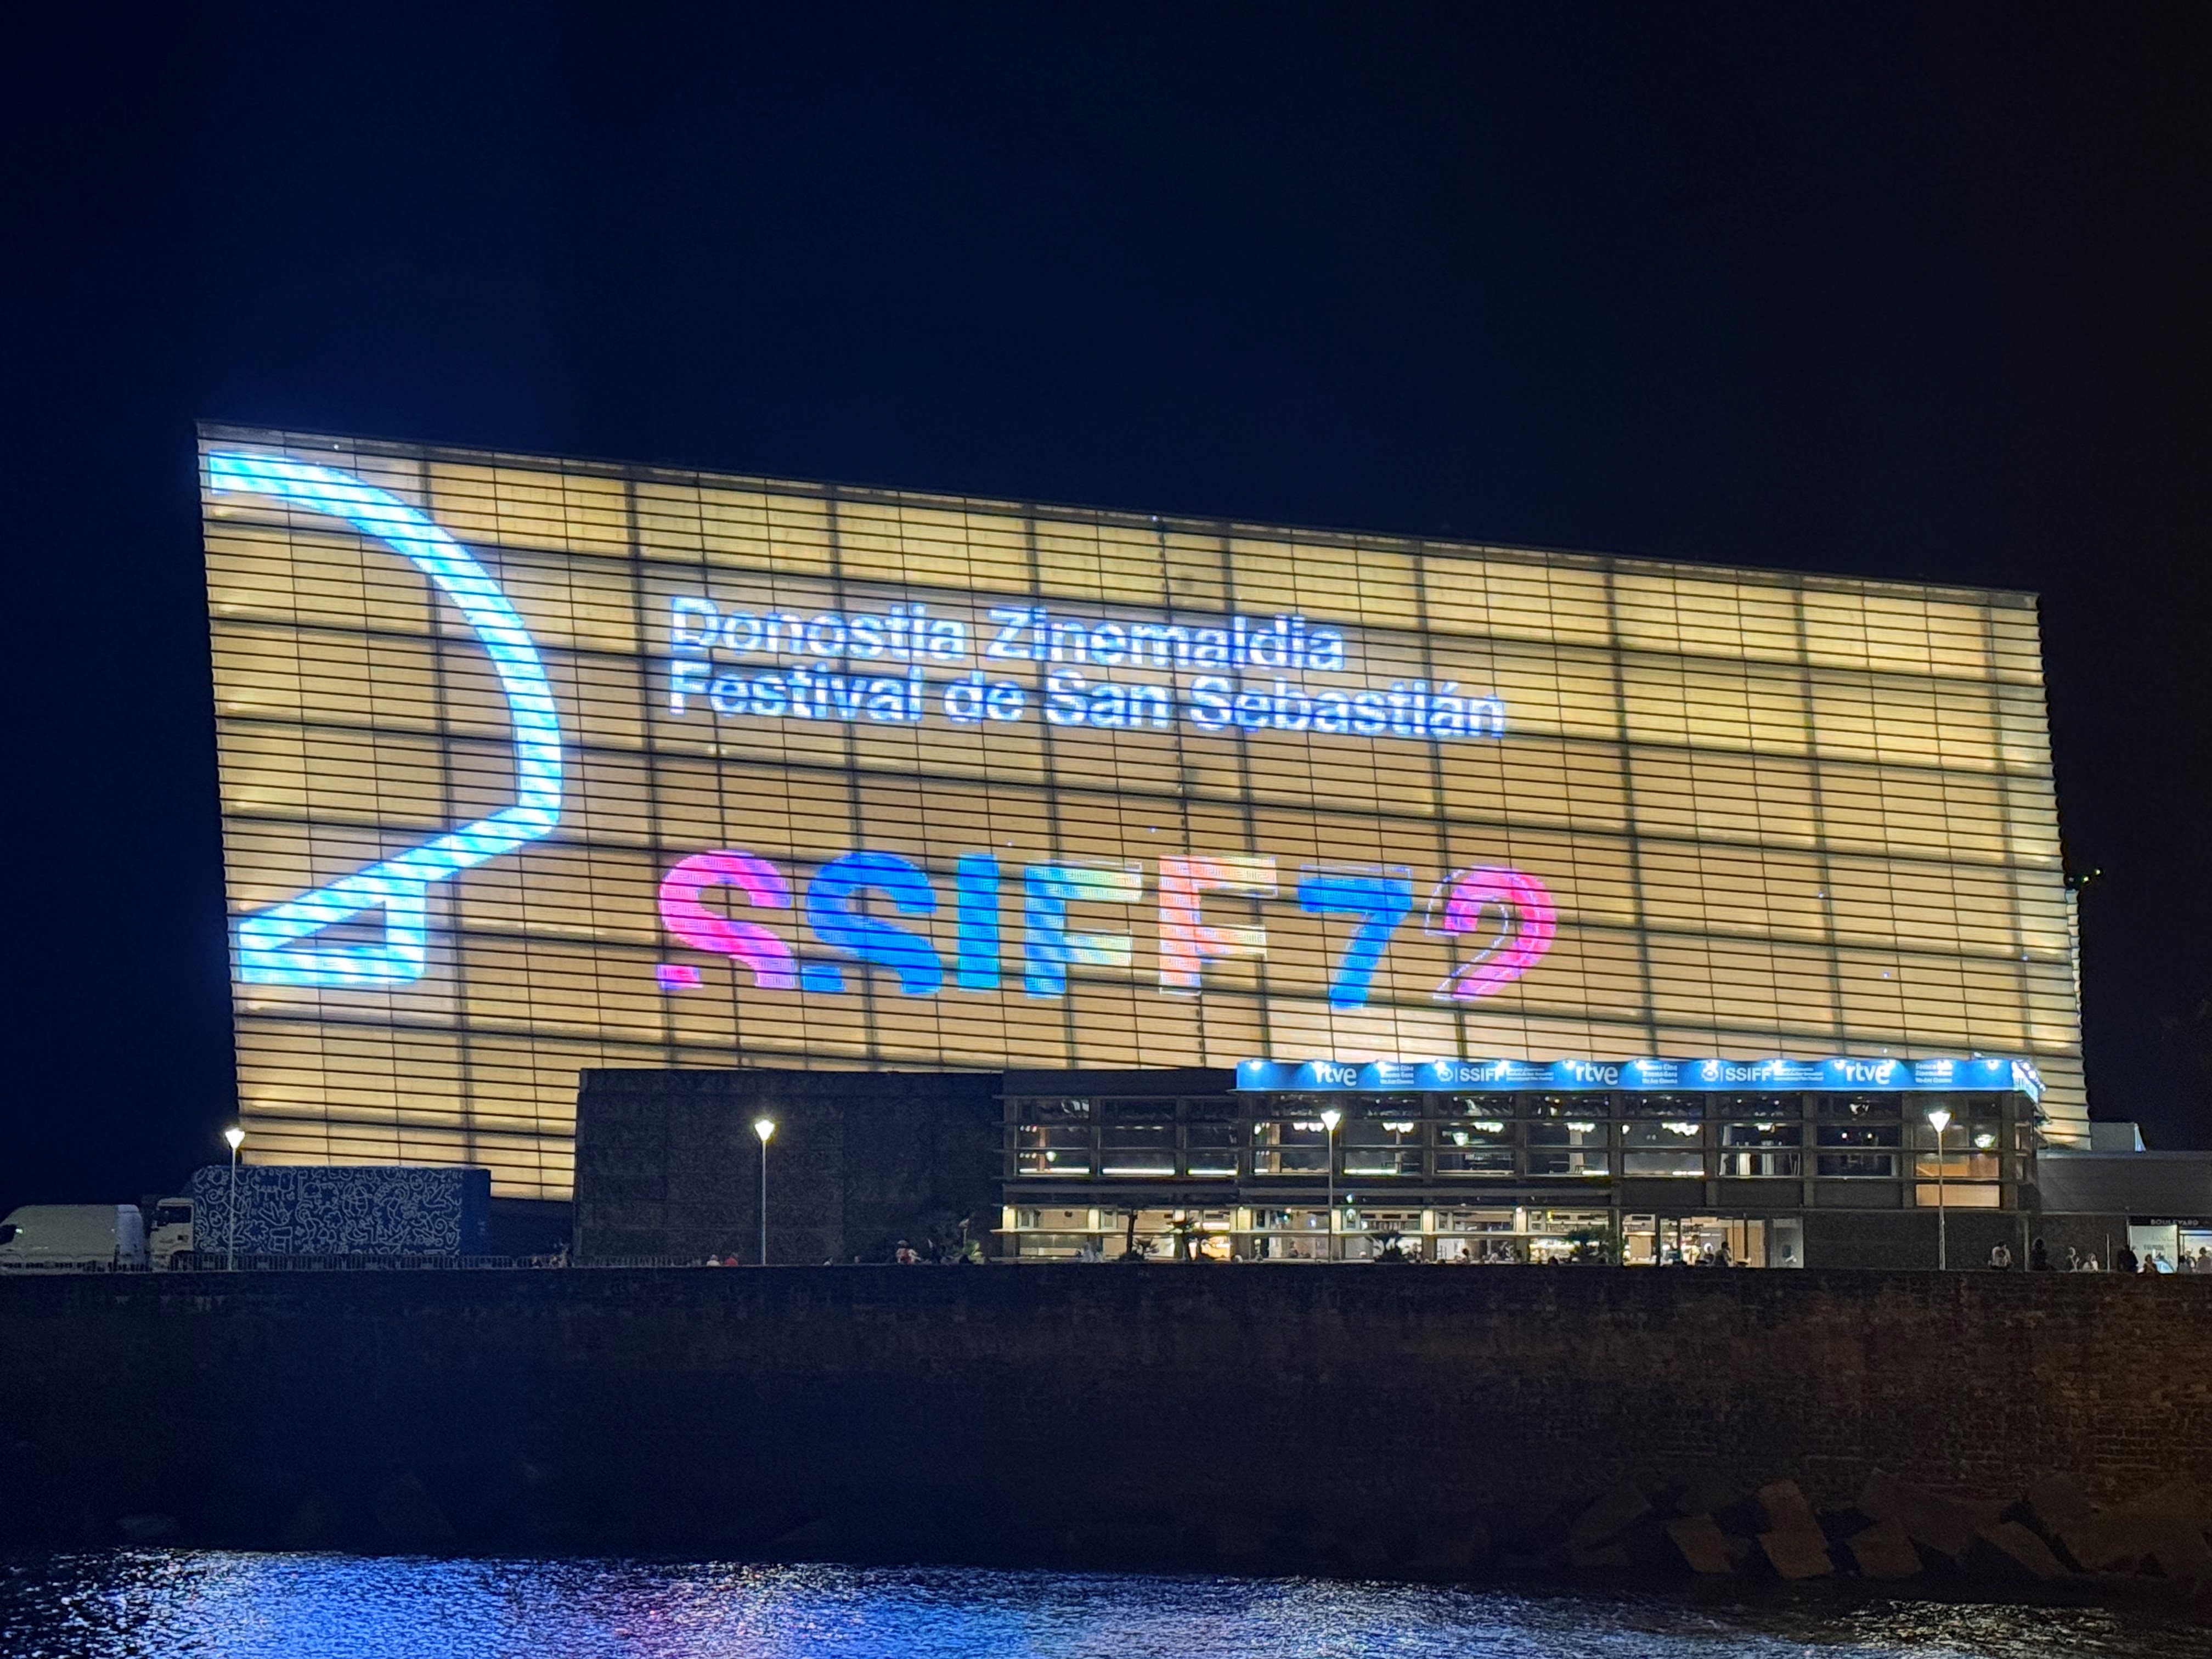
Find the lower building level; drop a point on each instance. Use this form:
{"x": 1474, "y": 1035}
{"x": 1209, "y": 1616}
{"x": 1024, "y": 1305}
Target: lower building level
{"x": 1776, "y": 1164}
{"x": 1467, "y": 1234}
{"x": 1232, "y": 1166}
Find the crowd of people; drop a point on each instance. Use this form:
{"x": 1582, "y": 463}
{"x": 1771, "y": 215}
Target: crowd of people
{"x": 2125, "y": 1260}
{"x": 932, "y": 1252}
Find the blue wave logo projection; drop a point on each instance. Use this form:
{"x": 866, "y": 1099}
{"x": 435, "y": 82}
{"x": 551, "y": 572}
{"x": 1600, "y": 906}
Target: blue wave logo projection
{"x": 274, "y": 945}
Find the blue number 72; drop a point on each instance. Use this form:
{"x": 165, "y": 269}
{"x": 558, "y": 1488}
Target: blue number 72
{"x": 1380, "y": 895}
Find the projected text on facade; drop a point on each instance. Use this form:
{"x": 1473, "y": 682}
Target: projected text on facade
{"x": 530, "y": 766}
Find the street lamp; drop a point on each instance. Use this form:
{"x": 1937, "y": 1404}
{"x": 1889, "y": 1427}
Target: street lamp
{"x": 236, "y": 1137}
{"x": 763, "y": 1127}
{"x": 1942, "y": 1120}
{"x": 1329, "y": 1119}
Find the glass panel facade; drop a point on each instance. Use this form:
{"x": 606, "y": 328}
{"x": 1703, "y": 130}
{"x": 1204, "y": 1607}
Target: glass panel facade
{"x": 529, "y": 766}
{"x": 1414, "y": 1176}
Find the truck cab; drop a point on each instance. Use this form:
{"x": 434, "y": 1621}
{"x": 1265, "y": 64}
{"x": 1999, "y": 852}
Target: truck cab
{"x": 172, "y": 1233}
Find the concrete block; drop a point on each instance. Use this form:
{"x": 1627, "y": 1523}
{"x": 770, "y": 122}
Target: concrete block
{"x": 1783, "y": 1504}
{"x": 1610, "y": 1516}
{"x": 2184, "y": 1500}
{"x": 2181, "y": 1553}
{"x": 1707, "y": 1494}
{"x": 1704, "y": 1546}
{"x": 1940, "y": 1523}
{"x": 1796, "y": 1553}
{"x": 2167, "y": 1524}
{"x": 2011, "y": 1550}
{"x": 1883, "y": 1551}
{"x": 2055, "y": 1503}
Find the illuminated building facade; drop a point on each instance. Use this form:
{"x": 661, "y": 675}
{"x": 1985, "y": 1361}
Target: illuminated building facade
{"x": 534, "y": 766}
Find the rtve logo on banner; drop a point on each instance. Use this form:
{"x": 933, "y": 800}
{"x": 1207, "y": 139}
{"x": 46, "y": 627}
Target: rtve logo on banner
{"x": 1204, "y": 677}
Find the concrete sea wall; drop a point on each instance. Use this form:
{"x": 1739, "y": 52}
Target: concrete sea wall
{"x": 1053, "y": 1412}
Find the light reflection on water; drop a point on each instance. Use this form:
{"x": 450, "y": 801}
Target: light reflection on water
{"x": 229, "y": 1606}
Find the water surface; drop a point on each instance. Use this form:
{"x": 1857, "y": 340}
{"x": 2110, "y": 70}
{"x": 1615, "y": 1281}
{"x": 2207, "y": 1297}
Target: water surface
{"x": 237, "y": 1605}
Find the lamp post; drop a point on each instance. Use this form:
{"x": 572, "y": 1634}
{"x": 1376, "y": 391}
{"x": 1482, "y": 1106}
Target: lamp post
{"x": 1329, "y": 1119}
{"x": 236, "y": 1137}
{"x": 1942, "y": 1120}
{"x": 763, "y": 1127}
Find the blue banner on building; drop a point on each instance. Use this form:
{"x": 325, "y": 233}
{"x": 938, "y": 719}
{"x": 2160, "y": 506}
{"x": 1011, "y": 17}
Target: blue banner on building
{"x": 1837, "y": 1074}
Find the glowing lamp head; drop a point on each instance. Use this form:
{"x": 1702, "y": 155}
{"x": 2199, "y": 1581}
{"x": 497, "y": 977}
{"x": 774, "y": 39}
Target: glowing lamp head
{"x": 1985, "y": 1140}
{"x": 1330, "y": 1119}
{"x": 235, "y": 1136}
{"x": 1940, "y": 1119}
{"x": 763, "y": 1127}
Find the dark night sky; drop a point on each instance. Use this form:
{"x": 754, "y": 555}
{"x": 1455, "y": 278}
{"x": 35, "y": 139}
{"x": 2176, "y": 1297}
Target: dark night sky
{"x": 1918, "y": 291}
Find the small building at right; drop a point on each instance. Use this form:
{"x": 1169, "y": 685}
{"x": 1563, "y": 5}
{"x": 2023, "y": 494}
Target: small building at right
{"x": 2117, "y": 1191}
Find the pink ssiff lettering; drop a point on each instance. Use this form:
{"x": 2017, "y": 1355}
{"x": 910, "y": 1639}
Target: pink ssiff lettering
{"x": 746, "y": 943}
{"x": 1514, "y": 909}
{"x": 1503, "y": 919}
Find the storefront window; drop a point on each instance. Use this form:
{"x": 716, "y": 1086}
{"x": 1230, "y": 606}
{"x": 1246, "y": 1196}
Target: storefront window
{"x": 1698, "y": 1241}
{"x": 1055, "y": 1235}
{"x": 1052, "y": 1149}
{"x": 1848, "y": 1144}
{"x": 1762, "y": 1147}
{"x": 1290, "y": 1146}
{"x": 1665, "y": 1148}
{"x": 1687, "y": 1107}
{"x": 1210, "y": 1148}
{"x": 2193, "y": 1248}
{"x": 1958, "y": 1195}
{"x": 1382, "y": 1146}
{"x": 1567, "y": 1147}
{"x": 1457, "y": 1106}
{"x": 1290, "y": 1235}
{"x": 1384, "y": 1234}
{"x": 1871, "y": 1164}
{"x": 1786, "y": 1107}
{"x": 1586, "y": 1235}
{"x": 1957, "y": 1165}
{"x": 1477, "y": 1146}
{"x": 1137, "y": 1148}
{"x": 1858, "y": 1109}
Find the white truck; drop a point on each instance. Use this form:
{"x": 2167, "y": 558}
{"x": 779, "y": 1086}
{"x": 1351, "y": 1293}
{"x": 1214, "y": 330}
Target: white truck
{"x": 72, "y": 1237}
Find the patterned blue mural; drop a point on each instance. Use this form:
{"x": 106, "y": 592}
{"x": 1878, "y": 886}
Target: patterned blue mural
{"x": 343, "y": 1210}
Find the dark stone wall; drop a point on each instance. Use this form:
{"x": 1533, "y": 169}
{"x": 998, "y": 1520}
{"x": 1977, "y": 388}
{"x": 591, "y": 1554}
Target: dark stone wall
{"x": 1908, "y": 1238}
{"x": 995, "y": 1412}
{"x": 667, "y": 1164}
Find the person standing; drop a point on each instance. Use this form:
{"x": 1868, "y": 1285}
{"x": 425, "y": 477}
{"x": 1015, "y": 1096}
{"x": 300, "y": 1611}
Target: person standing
{"x": 2039, "y": 1258}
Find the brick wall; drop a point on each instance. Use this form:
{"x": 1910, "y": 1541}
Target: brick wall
{"x": 703, "y": 1409}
